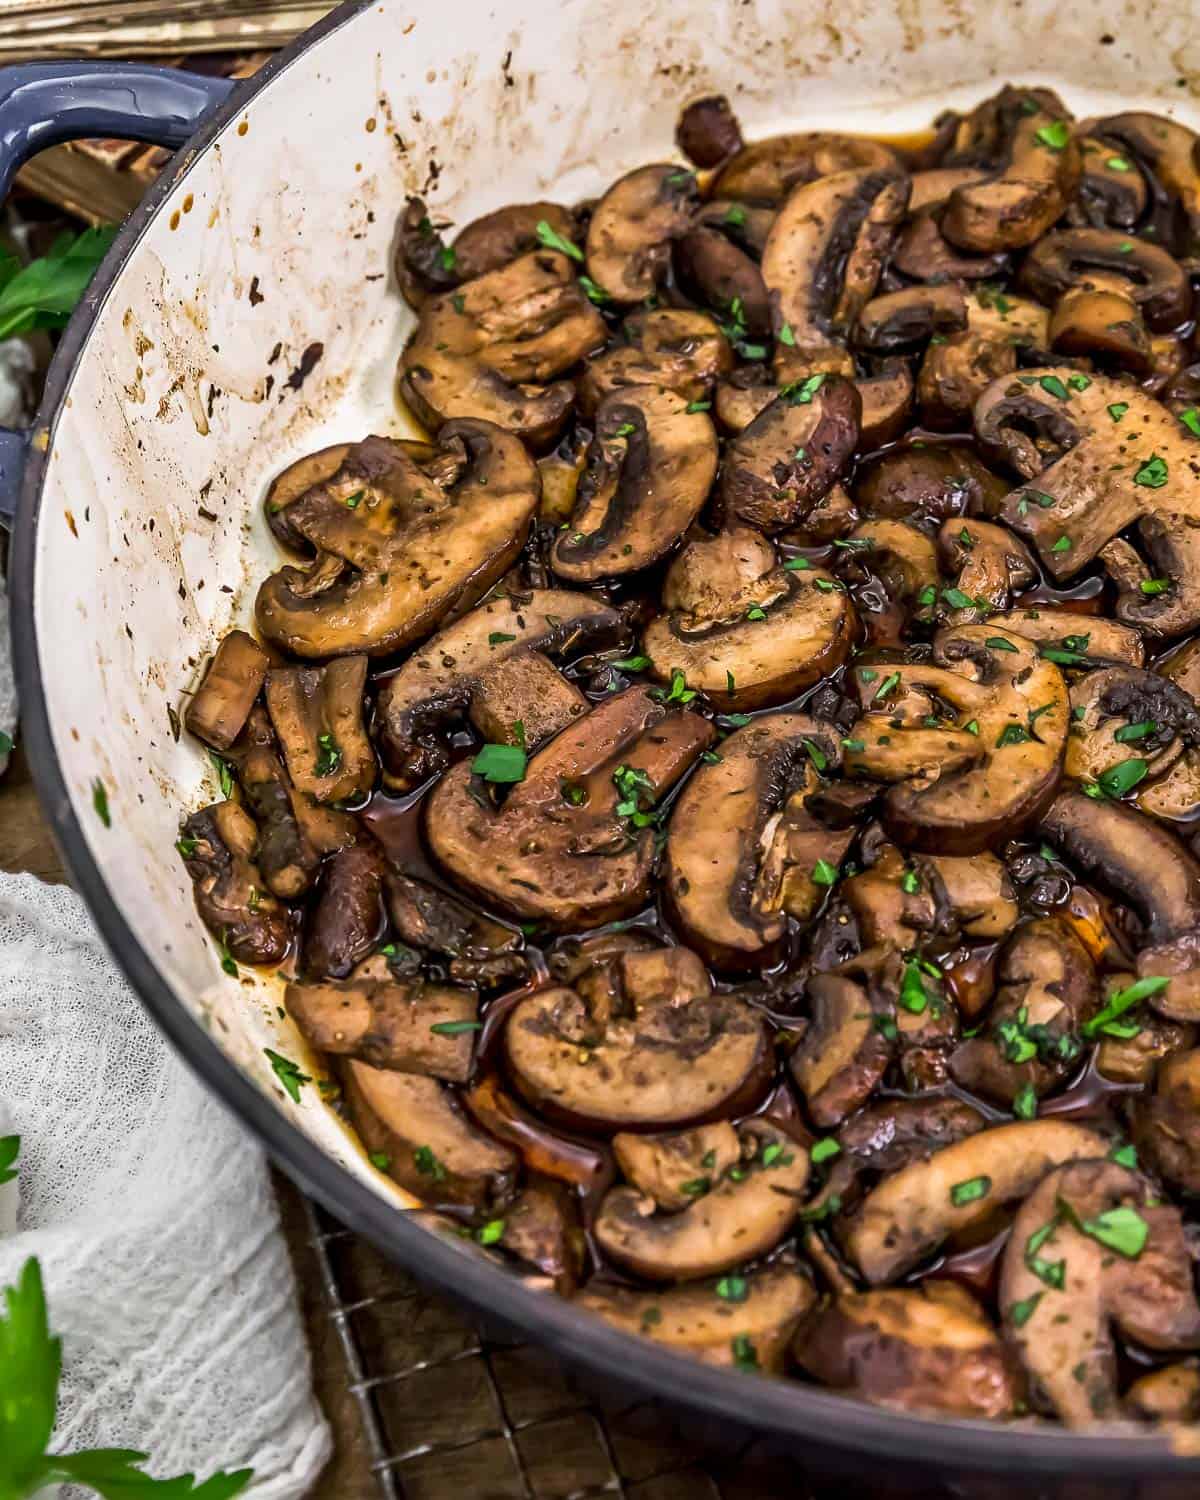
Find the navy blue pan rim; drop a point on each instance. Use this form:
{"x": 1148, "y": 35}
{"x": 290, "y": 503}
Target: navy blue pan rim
{"x": 815, "y": 1425}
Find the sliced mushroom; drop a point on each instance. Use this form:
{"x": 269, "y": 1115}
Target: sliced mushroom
{"x": 1133, "y": 1059}
{"x": 927, "y": 485}
{"x": 429, "y": 531}
{"x": 218, "y": 712}
{"x": 927, "y": 1349}
{"x": 672, "y": 348}
{"x": 658, "y": 1062}
{"x": 1168, "y": 148}
{"x": 1089, "y": 259}
{"x": 755, "y": 1326}
{"x": 1171, "y": 1394}
{"x": 891, "y": 1133}
{"x": 958, "y": 369}
{"x": 897, "y": 898}
{"x": 767, "y": 171}
{"x": 887, "y": 399}
{"x": 918, "y": 1208}
{"x": 708, "y": 131}
{"x": 898, "y": 555}
{"x": 931, "y": 188}
{"x": 850, "y": 1041}
{"x": 992, "y": 763}
{"x": 218, "y": 845}
{"x": 668, "y": 1168}
{"x": 440, "y": 680}
{"x": 318, "y": 715}
{"x": 523, "y": 700}
{"x": 433, "y": 920}
{"x": 712, "y": 267}
{"x": 1167, "y": 1122}
{"x": 425, "y": 264}
{"x": 905, "y": 319}
{"x": 346, "y": 923}
{"x": 823, "y": 257}
{"x": 791, "y": 454}
{"x": 560, "y": 472}
{"x": 490, "y": 350}
{"x": 742, "y": 850}
{"x": 422, "y": 263}
{"x": 431, "y": 1148}
{"x": 558, "y": 850}
{"x": 923, "y": 252}
{"x": 632, "y": 227}
{"x": 743, "y": 1214}
{"x": 991, "y": 566}
{"x": 1079, "y": 642}
{"x": 413, "y": 1027}
{"x": 542, "y": 1228}
{"x": 1093, "y": 1247}
{"x": 1047, "y": 991}
{"x": 1108, "y": 704}
{"x": 743, "y": 630}
{"x": 649, "y": 470}
{"x": 1112, "y": 191}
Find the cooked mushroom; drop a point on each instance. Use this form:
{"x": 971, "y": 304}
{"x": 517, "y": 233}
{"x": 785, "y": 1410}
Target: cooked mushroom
{"x": 923, "y": 252}
{"x": 899, "y": 556}
{"x": 850, "y": 1041}
{"x": 744, "y": 1321}
{"x": 743, "y": 853}
{"x": 1167, "y": 1122}
{"x": 347, "y": 921}
{"x": 668, "y": 1167}
{"x": 541, "y": 1227}
{"x": 712, "y": 267}
{"x": 1078, "y": 642}
{"x": 767, "y": 171}
{"x": 442, "y": 678}
{"x": 927, "y": 1349}
{"x": 927, "y": 485}
{"x": 1168, "y": 148}
{"x": 991, "y": 566}
{"x": 560, "y": 471}
{"x": 956, "y": 370}
{"x": 672, "y": 1054}
{"x": 489, "y": 351}
{"x": 1112, "y": 191}
{"x": 425, "y": 264}
{"x": 1093, "y": 259}
{"x": 887, "y": 399}
{"x": 889, "y": 1134}
{"x": 918, "y": 1208}
{"x": 318, "y": 715}
{"x": 744, "y": 630}
{"x": 1047, "y": 991}
{"x": 738, "y": 1216}
{"x": 560, "y": 848}
{"x": 415, "y": 531}
{"x": 218, "y": 712}
{"x": 708, "y": 131}
{"x": 1171, "y": 1394}
{"x": 905, "y": 319}
{"x": 897, "y": 898}
{"x": 218, "y": 845}
{"x": 632, "y": 227}
{"x": 1093, "y": 1246}
{"x": 649, "y": 470}
{"x": 433, "y": 920}
{"x": 1134, "y": 1058}
{"x": 1119, "y": 712}
{"x": 671, "y": 348}
{"x": 430, "y": 1147}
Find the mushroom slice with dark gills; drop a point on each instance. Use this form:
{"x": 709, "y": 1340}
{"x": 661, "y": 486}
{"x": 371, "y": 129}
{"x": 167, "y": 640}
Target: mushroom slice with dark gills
{"x": 1135, "y": 1053}
{"x": 572, "y": 844}
{"x": 922, "y": 252}
{"x": 1082, "y": 260}
{"x": 668, "y": 1053}
{"x": 925, "y": 485}
{"x": 1112, "y": 194}
{"x": 902, "y": 558}
{"x": 913, "y": 1211}
{"x": 851, "y": 1039}
{"x": 672, "y": 348}
{"x": 990, "y": 565}
{"x": 218, "y": 845}
{"x": 822, "y": 261}
{"x": 743, "y": 853}
{"x": 440, "y": 681}
{"x": 1097, "y": 456}
{"x": 632, "y": 227}
{"x": 991, "y": 763}
{"x": 492, "y": 350}
{"x": 767, "y": 171}
{"x": 649, "y": 470}
{"x": 732, "y": 1218}
{"x": 431, "y": 1147}
{"x": 716, "y": 263}
{"x": 318, "y": 715}
{"x": 744, "y": 630}
{"x": 791, "y": 455}
{"x": 1047, "y": 992}
{"x": 668, "y": 1167}
{"x": 929, "y": 1348}
{"x": 743, "y": 1321}
{"x": 906, "y": 319}
{"x": 416, "y": 531}
{"x": 347, "y": 920}
{"x": 1123, "y": 713}
{"x": 1092, "y": 1247}
{"x": 1168, "y": 148}
{"x": 480, "y": 949}
{"x": 288, "y": 853}
{"x": 1166, "y": 1124}
{"x": 221, "y": 705}
{"x": 957, "y": 370}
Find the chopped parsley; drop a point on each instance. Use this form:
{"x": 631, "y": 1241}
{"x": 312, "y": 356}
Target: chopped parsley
{"x": 1019, "y": 1313}
{"x": 100, "y": 802}
{"x": 1154, "y": 585}
{"x": 500, "y": 638}
{"x": 288, "y": 1074}
{"x": 678, "y": 692}
{"x": 1118, "y": 780}
{"x": 1121, "y": 1229}
{"x": 801, "y": 392}
{"x": 330, "y": 756}
{"x": 823, "y": 873}
{"x": 824, "y": 1150}
{"x": 427, "y": 1163}
{"x": 554, "y": 241}
{"x": 733, "y": 1289}
{"x": 1025, "y": 1103}
{"x": 502, "y": 764}
{"x": 1054, "y": 136}
{"x": 1122, "y": 1000}
{"x": 1153, "y": 473}
{"x": 1118, "y": 409}
{"x": 1053, "y": 386}
{"x": 970, "y": 1191}
{"x": 455, "y": 1028}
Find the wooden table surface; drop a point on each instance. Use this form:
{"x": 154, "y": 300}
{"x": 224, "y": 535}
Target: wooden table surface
{"x": 26, "y": 845}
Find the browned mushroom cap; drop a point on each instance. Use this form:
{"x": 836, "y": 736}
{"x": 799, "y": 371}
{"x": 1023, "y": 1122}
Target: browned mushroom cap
{"x": 660, "y": 1060}
{"x": 424, "y": 264}
{"x": 823, "y": 257}
{"x": 672, "y": 348}
{"x": 218, "y": 845}
{"x": 922, "y": 252}
{"x": 668, "y": 1168}
{"x": 1134, "y": 1059}
{"x": 1115, "y": 703}
{"x": 1037, "y": 179}
{"x": 1087, "y": 259}
{"x": 742, "y": 849}
{"x": 744, "y": 630}
{"x": 890, "y": 1133}
{"x": 1112, "y": 191}
{"x": 487, "y": 351}
{"x": 557, "y": 849}
{"x": 915, "y": 1210}
{"x": 430, "y": 530}
{"x": 542, "y": 1228}
{"x": 895, "y": 899}
{"x": 712, "y": 267}
{"x": 708, "y": 131}
{"x": 767, "y": 171}
{"x": 929, "y": 1348}
{"x": 956, "y": 371}
{"x": 649, "y": 470}
{"x": 740, "y": 1216}
{"x": 924, "y": 486}
{"x": 1166, "y": 1125}
{"x": 1168, "y": 148}
{"x": 715, "y": 1329}
{"x": 991, "y": 566}
{"x": 1089, "y": 638}
{"x": 218, "y": 712}
{"x": 1094, "y": 1246}
{"x": 992, "y": 764}
{"x": 346, "y": 921}
{"x": 1171, "y": 1394}
{"x": 632, "y": 227}
{"x": 931, "y": 188}
{"x": 318, "y": 715}
{"x": 1047, "y": 990}
{"x": 790, "y": 455}
{"x": 850, "y": 1040}
{"x": 742, "y": 396}
{"x": 439, "y": 681}
{"x": 887, "y": 398}
{"x": 431, "y": 1147}
{"x": 433, "y": 920}
{"x": 413, "y": 1027}
{"x": 903, "y": 320}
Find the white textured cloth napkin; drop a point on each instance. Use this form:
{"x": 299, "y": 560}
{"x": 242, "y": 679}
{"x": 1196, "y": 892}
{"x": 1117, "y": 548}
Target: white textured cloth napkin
{"x": 152, "y": 1215}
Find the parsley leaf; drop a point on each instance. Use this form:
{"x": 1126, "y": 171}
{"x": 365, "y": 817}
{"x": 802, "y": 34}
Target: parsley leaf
{"x": 500, "y": 763}
{"x": 554, "y": 241}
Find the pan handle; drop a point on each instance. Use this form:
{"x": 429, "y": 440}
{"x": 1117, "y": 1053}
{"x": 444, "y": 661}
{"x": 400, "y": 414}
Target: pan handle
{"x": 45, "y": 104}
